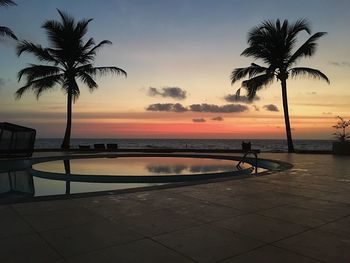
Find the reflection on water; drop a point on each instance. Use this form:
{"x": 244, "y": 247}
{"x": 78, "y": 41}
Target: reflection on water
{"x": 22, "y": 184}
{"x": 182, "y": 169}
{"x": 16, "y": 184}
{"x": 135, "y": 166}
{"x": 67, "y": 171}
{"x": 166, "y": 169}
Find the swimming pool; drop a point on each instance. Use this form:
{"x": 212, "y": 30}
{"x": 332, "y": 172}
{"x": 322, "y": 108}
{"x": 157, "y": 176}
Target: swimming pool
{"x": 88, "y": 173}
{"x": 136, "y": 166}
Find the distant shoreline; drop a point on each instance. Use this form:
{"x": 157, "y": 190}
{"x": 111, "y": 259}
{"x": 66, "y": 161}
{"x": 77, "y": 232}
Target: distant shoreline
{"x": 174, "y": 150}
{"x": 223, "y": 145}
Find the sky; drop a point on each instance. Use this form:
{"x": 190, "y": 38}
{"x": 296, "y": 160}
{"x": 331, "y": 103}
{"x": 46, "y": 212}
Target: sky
{"x": 179, "y": 56}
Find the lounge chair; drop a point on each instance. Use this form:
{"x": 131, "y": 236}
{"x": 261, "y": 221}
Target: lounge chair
{"x": 99, "y": 146}
{"x": 84, "y": 147}
{"x": 112, "y": 146}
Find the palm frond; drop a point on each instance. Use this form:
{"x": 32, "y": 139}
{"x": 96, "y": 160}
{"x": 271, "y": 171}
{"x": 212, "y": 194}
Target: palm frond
{"x": 307, "y": 49}
{"x": 38, "y": 51}
{"x": 273, "y": 42}
{"x": 251, "y": 71}
{"x": 38, "y": 71}
{"x": 89, "y": 50}
{"x": 81, "y": 27}
{"x": 310, "y": 72}
{"x": 67, "y": 20}
{"x": 102, "y": 71}
{"x": 7, "y": 3}
{"x": 100, "y": 45}
{"x": 88, "y": 81}
{"x": 89, "y": 44}
{"x": 299, "y": 26}
{"x": 5, "y": 31}
{"x": 268, "y": 42}
{"x": 54, "y": 31}
{"x": 256, "y": 83}
{"x": 38, "y": 86}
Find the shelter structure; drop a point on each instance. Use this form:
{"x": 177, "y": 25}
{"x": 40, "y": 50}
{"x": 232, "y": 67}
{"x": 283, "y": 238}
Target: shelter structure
{"x": 16, "y": 140}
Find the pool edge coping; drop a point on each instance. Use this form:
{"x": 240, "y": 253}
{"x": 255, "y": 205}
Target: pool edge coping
{"x": 283, "y": 166}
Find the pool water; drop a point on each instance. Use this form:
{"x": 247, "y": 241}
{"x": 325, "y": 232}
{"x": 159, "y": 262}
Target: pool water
{"x": 137, "y": 166}
{"x": 60, "y": 175}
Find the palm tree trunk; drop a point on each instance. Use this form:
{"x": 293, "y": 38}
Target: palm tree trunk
{"x": 66, "y": 140}
{"x": 286, "y": 116}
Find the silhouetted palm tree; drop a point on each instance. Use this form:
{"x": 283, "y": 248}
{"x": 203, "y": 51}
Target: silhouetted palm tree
{"x": 71, "y": 60}
{"x": 273, "y": 43}
{"x": 5, "y": 31}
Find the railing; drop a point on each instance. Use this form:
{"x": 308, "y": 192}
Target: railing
{"x": 244, "y": 158}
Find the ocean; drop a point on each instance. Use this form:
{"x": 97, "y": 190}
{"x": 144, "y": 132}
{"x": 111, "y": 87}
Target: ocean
{"x": 263, "y": 145}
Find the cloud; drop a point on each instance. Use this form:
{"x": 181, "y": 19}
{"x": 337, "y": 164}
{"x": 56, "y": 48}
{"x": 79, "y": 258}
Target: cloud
{"x": 218, "y": 118}
{"x": 167, "y": 92}
{"x": 199, "y": 120}
{"x": 243, "y": 99}
{"x": 271, "y": 107}
{"x": 174, "y": 107}
{"x": 204, "y": 107}
{"x": 228, "y": 108}
{"x": 340, "y": 63}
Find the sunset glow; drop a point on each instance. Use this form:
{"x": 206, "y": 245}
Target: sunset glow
{"x": 191, "y": 45}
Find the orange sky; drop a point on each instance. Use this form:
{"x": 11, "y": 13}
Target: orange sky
{"x": 187, "y": 45}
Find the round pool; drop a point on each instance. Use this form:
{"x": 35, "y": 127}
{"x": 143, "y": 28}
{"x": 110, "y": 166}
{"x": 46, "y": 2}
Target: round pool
{"x": 145, "y": 168}
{"x": 110, "y": 173}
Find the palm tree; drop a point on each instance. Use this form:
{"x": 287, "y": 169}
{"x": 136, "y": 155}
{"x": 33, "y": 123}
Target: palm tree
{"x": 5, "y": 31}
{"x": 67, "y": 60}
{"x": 273, "y": 43}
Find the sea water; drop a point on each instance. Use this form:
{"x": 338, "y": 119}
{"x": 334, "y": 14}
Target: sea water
{"x": 263, "y": 145}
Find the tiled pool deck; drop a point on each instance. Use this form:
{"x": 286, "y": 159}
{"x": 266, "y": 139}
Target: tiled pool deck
{"x": 300, "y": 215}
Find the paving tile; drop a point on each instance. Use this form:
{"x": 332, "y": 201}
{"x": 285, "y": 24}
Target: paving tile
{"x": 97, "y": 201}
{"x": 270, "y": 254}
{"x": 336, "y": 208}
{"x": 250, "y": 204}
{"x": 340, "y": 197}
{"x": 117, "y": 209}
{"x": 43, "y": 206}
{"x": 61, "y": 218}
{"x": 145, "y": 251}
{"x": 320, "y": 245}
{"x": 207, "y": 243}
{"x": 246, "y": 202}
{"x": 26, "y": 248}
{"x": 163, "y": 199}
{"x": 11, "y": 224}
{"x": 312, "y": 194}
{"x": 299, "y": 215}
{"x": 261, "y": 227}
{"x": 158, "y": 222}
{"x": 281, "y": 198}
{"x": 340, "y": 227}
{"x": 205, "y": 212}
{"x": 76, "y": 240}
